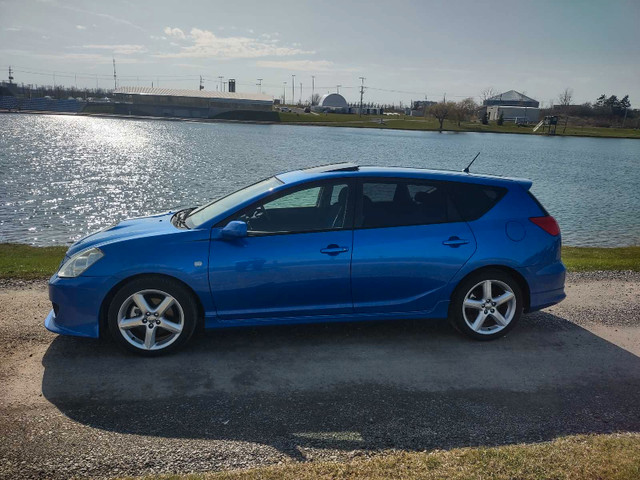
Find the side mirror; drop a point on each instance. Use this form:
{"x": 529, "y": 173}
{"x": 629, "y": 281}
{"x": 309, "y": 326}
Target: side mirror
{"x": 234, "y": 229}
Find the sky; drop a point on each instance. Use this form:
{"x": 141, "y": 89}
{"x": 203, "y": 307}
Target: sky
{"x": 406, "y": 50}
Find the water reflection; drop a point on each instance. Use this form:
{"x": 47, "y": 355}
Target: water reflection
{"x": 62, "y": 177}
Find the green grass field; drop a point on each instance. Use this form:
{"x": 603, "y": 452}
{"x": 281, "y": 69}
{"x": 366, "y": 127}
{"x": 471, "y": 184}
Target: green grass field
{"x": 586, "y": 457}
{"x": 431, "y": 124}
{"x": 26, "y": 262}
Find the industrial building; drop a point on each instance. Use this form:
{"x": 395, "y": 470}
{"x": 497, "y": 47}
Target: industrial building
{"x": 513, "y": 106}
{"x": 165, "y": 102}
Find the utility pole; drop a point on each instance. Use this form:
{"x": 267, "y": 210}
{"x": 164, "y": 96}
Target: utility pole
{"x": 313, "y": 87}
{"x": 293, "y": 88}
{"x": 201, "y": 83}
{"x": 10, "y": 75}
{"x": 338, "y": 88}
{"x": 284, "y": 93}
{"x": 362, "y": 79}
{"x": 220, "y": 77}
{"x": 301, "y": 96}
{"x": 259, "y": 85}
{"x": 115, "y": 79}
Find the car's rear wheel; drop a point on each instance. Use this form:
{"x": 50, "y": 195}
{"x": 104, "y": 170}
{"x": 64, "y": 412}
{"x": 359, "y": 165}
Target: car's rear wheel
{"x": 486, "y": 305}
{"x": 152, "y": 315}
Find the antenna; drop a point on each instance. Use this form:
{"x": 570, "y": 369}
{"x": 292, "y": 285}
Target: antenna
{"x": 201, "y": 83}
{"x": 466, "y": 170}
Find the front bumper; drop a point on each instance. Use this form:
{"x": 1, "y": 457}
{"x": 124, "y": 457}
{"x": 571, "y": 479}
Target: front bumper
{"x": 77, "y": 303}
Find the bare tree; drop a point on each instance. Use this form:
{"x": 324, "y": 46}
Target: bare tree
{"x": 488, "y": 93}
{"x": 565, "y": 100}
{"x": 441, "y": 111}
{"x": 565, "y": 97}
{"x": 315, "y": 98}
{"x": 464, "y": 109}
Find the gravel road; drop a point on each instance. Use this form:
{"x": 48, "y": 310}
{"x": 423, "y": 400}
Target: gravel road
{"x": 247, "y": 397}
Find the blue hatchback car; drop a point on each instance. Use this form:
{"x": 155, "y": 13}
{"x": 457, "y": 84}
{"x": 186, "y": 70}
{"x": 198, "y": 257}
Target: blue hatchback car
{"x": 325, "y": 244}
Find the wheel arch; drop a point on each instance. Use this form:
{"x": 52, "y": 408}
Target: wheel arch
{"x": 104, "y": 306}
{"x": 522, "y": 282}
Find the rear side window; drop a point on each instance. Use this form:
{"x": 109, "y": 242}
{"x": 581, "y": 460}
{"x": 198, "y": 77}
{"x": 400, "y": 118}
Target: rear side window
{"x": 474, "y": 200}
{"x": 537, "y": 202}
{"x": 402, "y": 203}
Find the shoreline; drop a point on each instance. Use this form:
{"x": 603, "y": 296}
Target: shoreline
{"x": 25, "y": 263}
{"x": 355, "y": 124}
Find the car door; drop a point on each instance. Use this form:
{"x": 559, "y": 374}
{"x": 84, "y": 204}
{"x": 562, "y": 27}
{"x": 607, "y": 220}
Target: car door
{"x": 407, "y": 245}
{"x": 295, "y": 260}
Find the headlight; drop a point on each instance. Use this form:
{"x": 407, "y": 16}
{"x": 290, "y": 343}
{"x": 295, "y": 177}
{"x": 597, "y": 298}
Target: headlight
{"x": 80, "y": 262}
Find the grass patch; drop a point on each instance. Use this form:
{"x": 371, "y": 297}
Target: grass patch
{"x": 590, "y": 457}
{"x": 429, "y": 123}
{"x": 581, "y": 259}
{"x": 26, "y": 262}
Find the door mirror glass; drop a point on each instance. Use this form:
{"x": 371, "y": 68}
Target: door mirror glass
{"x": 235, "y": 229}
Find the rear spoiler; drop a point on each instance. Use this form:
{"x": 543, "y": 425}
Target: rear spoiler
{"x": 523, "y": 182}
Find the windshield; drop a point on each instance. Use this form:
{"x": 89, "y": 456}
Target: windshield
{"x": 205, "y": 213}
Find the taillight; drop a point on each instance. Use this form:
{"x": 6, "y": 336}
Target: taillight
{"x": 548, "y": 224}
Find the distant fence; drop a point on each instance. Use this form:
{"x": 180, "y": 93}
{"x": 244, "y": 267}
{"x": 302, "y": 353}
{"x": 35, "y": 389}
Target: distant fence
{"x": 41, "y": 104}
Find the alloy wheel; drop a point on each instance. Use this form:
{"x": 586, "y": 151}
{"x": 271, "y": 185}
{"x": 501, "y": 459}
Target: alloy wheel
{"x": 150, "y": 319}
{"x": 489, "y": 307}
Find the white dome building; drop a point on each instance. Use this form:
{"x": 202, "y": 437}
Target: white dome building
{"x": 333, "y": 100}
{"x": 332, "y": 103}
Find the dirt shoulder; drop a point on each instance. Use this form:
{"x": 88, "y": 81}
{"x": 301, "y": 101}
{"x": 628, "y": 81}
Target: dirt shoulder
{"x": 250, "y": 397}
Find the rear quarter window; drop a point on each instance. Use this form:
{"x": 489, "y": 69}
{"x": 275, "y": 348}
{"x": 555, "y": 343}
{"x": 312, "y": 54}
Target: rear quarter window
{"x": 474, "y": 200}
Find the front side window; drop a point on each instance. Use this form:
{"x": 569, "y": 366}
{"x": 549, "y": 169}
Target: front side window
{"x": 402, "y": 203}
{"x": 308, "y": 209}
{"x": 217, "y": 207}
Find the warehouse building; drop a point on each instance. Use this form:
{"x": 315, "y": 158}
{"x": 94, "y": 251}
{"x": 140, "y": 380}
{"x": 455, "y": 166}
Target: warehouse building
{"x": 513, "y": 106}
{"x": 165, "y": 102}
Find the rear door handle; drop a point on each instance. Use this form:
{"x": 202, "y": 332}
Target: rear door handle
{"x": 455, "y": 242}
{"x": 333, "y": 249}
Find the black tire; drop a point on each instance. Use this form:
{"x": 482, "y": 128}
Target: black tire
{"x": 184, "y": 312}
{"x": 457, "y": 310}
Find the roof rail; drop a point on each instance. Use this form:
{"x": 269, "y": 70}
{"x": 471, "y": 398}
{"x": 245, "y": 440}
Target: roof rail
{"x": 333, "y": 167}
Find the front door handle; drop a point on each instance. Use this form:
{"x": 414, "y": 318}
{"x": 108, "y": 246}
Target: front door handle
{"x": 455, "y": 242}
{"x": 333, "y": 249}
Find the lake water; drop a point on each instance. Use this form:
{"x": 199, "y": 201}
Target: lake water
{"x": 62, "y": 177}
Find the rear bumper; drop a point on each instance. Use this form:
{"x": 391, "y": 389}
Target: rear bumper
{"x": 546, "y": 284}
{"x": 77, "y": 303}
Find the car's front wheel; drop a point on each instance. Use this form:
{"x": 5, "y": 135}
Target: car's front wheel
{"x": 152, "y": 315}
{"x": 486, "y": 305}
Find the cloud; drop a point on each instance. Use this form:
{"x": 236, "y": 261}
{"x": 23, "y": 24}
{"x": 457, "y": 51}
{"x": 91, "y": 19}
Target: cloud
{"x": 13, "y": 29}
{"x": 205, "y": 44}
{"x": 174, "y": 32}
{"x": 298, "y": 65}
{"x": 81, "y": 27}
{"x": 106, "y": 16}
{"x": 119, "y": 49}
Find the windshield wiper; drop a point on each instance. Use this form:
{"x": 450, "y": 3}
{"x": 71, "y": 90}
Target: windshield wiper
{"x": 180, "y": 217}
